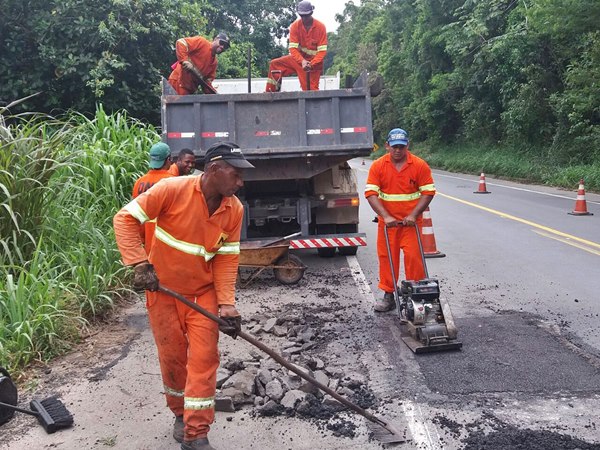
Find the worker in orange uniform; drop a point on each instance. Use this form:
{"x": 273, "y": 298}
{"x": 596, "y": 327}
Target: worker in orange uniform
{"x": 197, "y": 62}
{"x": 160, "y": 161}
{"x": 185, "y": 164}
{"x": 195, "y": 252}
{"x": 399, "y": 188}
{"x": 308, "y": 47}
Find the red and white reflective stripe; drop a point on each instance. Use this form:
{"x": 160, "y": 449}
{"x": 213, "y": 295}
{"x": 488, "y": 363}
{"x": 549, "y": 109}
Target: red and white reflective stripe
{"x": 215, "y": 134}
{"x": 180, "y": 135}
{"x": 267, "y": 133}
{"x": 328, "y": 242}
{"x": 354, "y": 130}
{"x": 319, "y": 131}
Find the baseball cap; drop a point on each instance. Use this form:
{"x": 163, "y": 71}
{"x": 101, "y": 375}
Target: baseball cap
{"x": 305, "y": 8}
{"x": 228, "y": 152}
{"x": 397, "y": 136}
{"x": 159, "y": 152}
{"x": 223, "y": 39}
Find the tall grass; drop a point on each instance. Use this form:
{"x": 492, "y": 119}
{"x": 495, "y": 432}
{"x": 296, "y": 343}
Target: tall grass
{"x": 61, "y": 182}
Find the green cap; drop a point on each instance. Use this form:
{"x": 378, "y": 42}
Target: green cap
{"x": 159, "y": 152}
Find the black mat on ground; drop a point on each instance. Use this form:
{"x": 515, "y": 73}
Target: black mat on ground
{"x": 508, "y": 352}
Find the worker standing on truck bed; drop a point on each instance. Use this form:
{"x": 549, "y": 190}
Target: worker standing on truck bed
{"x": 195, "y": 252}
{"x": 399, "y": 188}
{"x": 185, "y": 163}
{"x": 197, "y": 63}
{"x": 160, "y": 161}
{"x": 308, "y": 47}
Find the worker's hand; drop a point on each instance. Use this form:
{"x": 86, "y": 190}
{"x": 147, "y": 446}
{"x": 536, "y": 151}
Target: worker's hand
{"x": 391, "y": 221}
{"x": 306, "y": 65}
{"x": 187, "y": 65}
{"x": 144, "y": 277}
{"x": 409, "y": 221}
{"x": 234, "y": 321}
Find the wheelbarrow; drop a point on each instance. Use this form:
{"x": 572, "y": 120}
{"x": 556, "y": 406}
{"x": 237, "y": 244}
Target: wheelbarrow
{"x": 271, "y": 254}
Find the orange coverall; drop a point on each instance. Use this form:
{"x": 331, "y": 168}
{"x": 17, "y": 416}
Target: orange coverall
{"x": 142, "y": 185}
{"x": 196, "y": 255}
{"x": 197, "y": 50}
{"x": 306, "y": 44}
{"x": 399, "y": 192}
{"x": 174, "y": 170}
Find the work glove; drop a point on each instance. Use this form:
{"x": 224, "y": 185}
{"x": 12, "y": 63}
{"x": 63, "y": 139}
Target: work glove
{"x": 234, "y": 325}
{"x": 187, "y": 65}
{"x": 144, "y": 277}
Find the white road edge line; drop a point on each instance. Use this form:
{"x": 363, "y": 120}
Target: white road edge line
{"x": 417, "y": 425}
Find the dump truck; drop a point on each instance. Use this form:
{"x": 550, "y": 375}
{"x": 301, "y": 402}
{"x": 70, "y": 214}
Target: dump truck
{"x": 300, "y": 143}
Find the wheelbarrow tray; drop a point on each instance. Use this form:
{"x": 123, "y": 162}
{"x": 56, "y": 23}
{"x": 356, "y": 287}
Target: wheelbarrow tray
{"x": 254, "y": 254}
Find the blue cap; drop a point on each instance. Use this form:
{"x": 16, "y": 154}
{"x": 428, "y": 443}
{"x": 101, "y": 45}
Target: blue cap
{"x": 159, "y": 152}
{"x": 397, "y": 137}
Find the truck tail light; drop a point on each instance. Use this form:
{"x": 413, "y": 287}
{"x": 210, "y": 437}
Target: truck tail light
{"x": 343, "y": 202}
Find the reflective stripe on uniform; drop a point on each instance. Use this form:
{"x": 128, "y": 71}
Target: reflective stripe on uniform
{"x": 186, "y": 247}
{"x": 372, "y": 187}
{"x": 173, "y": 392}
{"x": 293, "y": 45}
{"x": 308, "y": 51}
{"x": 136, "y": 211}
{"x": 182, "y": 41}
{"x": 229, "y": 248}
{"x": 399, "y": 197}
{"x": 198, "y": 403}
{"x": 427, "y": 187}
{"x": 322, "y": 48}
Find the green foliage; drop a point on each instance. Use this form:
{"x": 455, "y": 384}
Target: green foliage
{"x": 82, "y": 52}
{"x": 59, "y": 265}
{"x": 496, "y": 72}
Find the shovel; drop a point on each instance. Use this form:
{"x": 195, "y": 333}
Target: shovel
{"x": 383, "y": 431}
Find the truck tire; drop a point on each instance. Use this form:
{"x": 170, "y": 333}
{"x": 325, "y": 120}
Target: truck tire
{"x": 293, "y": 271}
{"x": 348, "y": 251}
{"x": 327, "y": 252}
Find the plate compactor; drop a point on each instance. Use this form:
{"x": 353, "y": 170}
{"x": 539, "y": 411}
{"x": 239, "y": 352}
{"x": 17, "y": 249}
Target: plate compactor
{"x": 426, "y": 315}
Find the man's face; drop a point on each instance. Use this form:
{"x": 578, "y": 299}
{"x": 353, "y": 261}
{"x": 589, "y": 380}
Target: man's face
{"x": 397, "y": 152}
{"x": 230, "y": 179}
{"x": 186, "y": 164}
{"x": 219, "y": 46}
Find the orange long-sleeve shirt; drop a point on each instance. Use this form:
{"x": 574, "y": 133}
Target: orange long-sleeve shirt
{"x": 308, "y": 44}
{"x": 142, "y": 185}
{"x": 197, "y": 50}
{"x": 192, "y": 251}
{"x": 400, "y": 190}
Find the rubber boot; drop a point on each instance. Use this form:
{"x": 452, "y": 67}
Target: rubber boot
{"x": 178, "y": 429}
{"x": 385, "y": 304}
{"x": 197, "y": 444}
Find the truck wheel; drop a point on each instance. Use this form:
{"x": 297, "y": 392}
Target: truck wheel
{"x": 347, "y": 251}
{"x": 326, "y": 252}
{"x": 293, "y": 271}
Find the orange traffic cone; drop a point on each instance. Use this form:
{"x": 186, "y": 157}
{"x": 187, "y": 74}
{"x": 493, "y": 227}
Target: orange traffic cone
{"x": 428, "y": 238}
{"x": 580, "y": 204}
{"x": 482, "y": 188}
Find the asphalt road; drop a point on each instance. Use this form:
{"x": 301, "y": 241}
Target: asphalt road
{"x": 521, "y": 276}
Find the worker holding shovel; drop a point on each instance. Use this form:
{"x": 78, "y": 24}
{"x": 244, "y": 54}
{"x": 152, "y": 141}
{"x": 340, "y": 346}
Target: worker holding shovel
{"x": 399, "y": 188}
{"x": 195, "y": 252}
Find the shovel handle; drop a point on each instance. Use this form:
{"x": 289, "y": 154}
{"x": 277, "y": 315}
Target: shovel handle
{"x": 276, "y": 356}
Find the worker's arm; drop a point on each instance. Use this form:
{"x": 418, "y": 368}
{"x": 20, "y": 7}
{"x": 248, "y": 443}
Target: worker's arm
{"x": 377, "y": 206}
{"x": 427, "y": 191}
{"x": 372, "y": 190}
{"x": 321, "y": 47}
{"x": 225, "y": 265}
{"x": 294, "y": 45}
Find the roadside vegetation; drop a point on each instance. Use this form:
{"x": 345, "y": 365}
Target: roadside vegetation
{"x": 61, "y": 182}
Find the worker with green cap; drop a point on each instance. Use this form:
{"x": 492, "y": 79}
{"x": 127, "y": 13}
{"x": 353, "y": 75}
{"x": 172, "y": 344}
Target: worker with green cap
{"x": 160, "y": 162}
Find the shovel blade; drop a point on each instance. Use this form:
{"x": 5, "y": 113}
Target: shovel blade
{"x": 388, "y": 433}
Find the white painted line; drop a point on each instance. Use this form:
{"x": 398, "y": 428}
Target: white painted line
{"x": 421, "y": 435}
{"x": 436, "y": 174}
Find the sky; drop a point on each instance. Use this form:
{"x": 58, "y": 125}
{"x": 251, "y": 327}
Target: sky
{"x": 325, "y": 11}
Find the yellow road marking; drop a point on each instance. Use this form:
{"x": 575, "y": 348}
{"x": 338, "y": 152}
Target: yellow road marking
{"x": 526, "y": 222}
{"x": 567, "y": 241}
